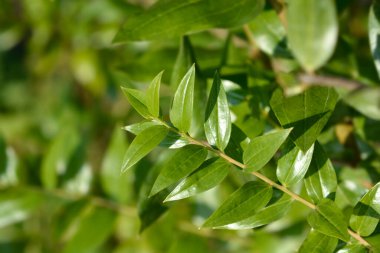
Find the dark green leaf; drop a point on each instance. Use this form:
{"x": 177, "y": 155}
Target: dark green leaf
{"x": 170, "y": 18}
{"x": 261, "y": 149}
{"x": 3, "y": 156}
{"x": 138, "y": 100}
{"x": 243, "y": 203}
{"x": 312, "y": 31}
{"x": 183, "y": 162}
{"x": 293, "y": 165}
{"x": 374, "y": 33}
{"x": 316, "y": 242}
{"x": 320, "y": 180}
{"x": 328, "y": 219}
{"x": 307, "y": 113}
{"x": 209, "y": 175}
{"x": 153, "y": 96}
{"x": 218, "y": 120}
{"x": 366, "y": 214}
{"x": 366, "y": 101}
{"x": 143, "y": 144}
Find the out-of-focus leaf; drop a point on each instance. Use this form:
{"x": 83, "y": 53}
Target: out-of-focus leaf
{"x": 307, "y": 113}
{"x": 328, "y": 219}
{"x": 3, "y": 156}
{"x": 366, "y": 101}
{"x": 243, "y": 203}
{"x": 172, "y": 18}
{"x": 183, "y": 162}
{"x": 185, "y": 58}
{"x": 316, "y": 242}
{"x": 261, "y": 149}
{"x": 209, "y": 175}
{"x": 138, "y": 100}
{"x": 293, "y": 165}
{"x": 353, "y": 248}
{"x": 374, "y": 33}
{"x": 181, "y": 112}
{"x": 320, "y": 180}
{"x": 153, "y": 96}
{"x": 137, "y": 128}
{"x": 312, "y": 31}
{"x": 143, "y": 144}
{"x": 366, "y": 214}
{"x": 218, "y": 120}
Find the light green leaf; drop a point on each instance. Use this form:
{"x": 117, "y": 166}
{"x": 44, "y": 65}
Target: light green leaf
{"x": 209, "y": 175}
{"x": 366, "y": 214}
{"x": 374, "y": 33}
{"x": 320, "y": 180}
{"x": 137, "y": 128}
{"x": 243, "y": 203}
{"x": 293, "y": 165}
{"x": 328, "y": 219}
{"x": 143, "y": 144}
{"x": 183, "y": 162}
{"x": 170, "y": 18}
{"x": 307, "y": 113}
{"x": 312, "y": 31}
{"x": 138, "y": 101}
{"x": 366, "y": 101}
{"x": 217, "y": 119}
{"x": 261, "y": 149}
{"x": 316, "y": 242}
{"x": 181, "y": 112}
{"x": 353, "y": 248}
{"x": 153, "y": 96}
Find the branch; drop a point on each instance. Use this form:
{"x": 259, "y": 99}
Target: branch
{"x": 330, "y": 81}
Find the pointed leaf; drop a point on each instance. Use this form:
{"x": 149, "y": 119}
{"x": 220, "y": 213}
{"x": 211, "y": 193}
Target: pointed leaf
{"x": 143, "y": 144}
{"x": 293, "y": 165}
{"x": 153, "y": 96}
{"x": 307, "y": 113}
{"x": 138, "y": 101}
{"x": 316, "y": 242}
{"x": 170, "y": 18}
{"x": 183, "y": 162}
{"x": 261, "y": 149}
{"x": 328, "y": 219}
{"x": 320, "y": 180}
{"x": 218, "y": 120}
{"x": 374, "y": 33}
{"x": 181, "y": 112}
{"x": 209, "y": 175}
{"x": 366, "y": 214}
{"x": 312, "y": 31}
{"x": 242, "y": 204}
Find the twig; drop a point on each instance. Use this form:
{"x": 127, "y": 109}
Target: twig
{"x": 331, "y": 81}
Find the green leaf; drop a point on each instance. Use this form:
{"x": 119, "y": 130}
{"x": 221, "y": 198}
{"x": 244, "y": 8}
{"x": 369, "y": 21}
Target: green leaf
{"x": 137, "y": 128}
{"x": 328, "y": 219}
{"x": 374, "y": 33}
{"x": 217, "y": 119}
{"x": 312, "y": 31}
{"x": 307, "y": 113}
{"x": 153, "y": 96}
{"x": 185, "y": 59}
{"x": 170, "y": 18}
{"x": 320, "y": 180}
{"x": 316, "y": 242}
{"x": 183, "y": 162}
{"x": 366, "y": 101}
{"x": 293, "y": 165}
{"x": 243, "y": 203}
{"x": 3, "y": 156}
{"x": 138, "y": 101}
{"x": 353, "y": 248}
{"x": 143, "y": 144}
{"x": 261, "y": 149}
{"x": 209, "y": 175}
{"x": 366, "y": 214}
{"x": 181, "y": 112}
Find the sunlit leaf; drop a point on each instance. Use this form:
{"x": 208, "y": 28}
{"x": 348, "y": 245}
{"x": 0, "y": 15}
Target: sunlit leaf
{"x": 153, "y": 96}
{"x": 353, "y": 248}
{"x": 366, "y": 101}
{"x": 316, "y": 242}
{"x": 137, "y": 128}
{"x": 138, "y": 100}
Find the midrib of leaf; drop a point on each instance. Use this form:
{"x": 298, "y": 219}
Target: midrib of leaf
{"x": 289, "y": 171}
{"x": 329, "y": 220}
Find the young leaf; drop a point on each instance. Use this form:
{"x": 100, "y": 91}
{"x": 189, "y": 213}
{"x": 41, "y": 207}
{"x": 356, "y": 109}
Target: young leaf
{"x": 209, "y": 175}
{"x": 366, "y": 214}
{"x": 312, "y": 31}
{"x": 153, "y": 96}
{"x": 143, "y": 144}
{"x": 137, "y": 128}
{"x": 181, "y": 112}
{"x": 261, "y": 149}
{"x": 183, "y": 162}
{"x": 307, "y": 113}
{"x": 328, "y": 219}
{"x": 320, "y": 180}
{"x": 374, "y": 33}
{"x": 293, "y": 165}
{"x": 316, "y": 242}
{"x": 170, "y": 18}
{"x": 138, "y": 100}
{"x": 218, "y": 120}
{"x": 242, "y": 204}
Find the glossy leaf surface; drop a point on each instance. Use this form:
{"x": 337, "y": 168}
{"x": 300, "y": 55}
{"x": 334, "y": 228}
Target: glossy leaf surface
{"x": 153, "y": 96}
{"x": 316, "y": 242}
{"x": 138, "y": 100}
{"x": 374, "y": 33}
